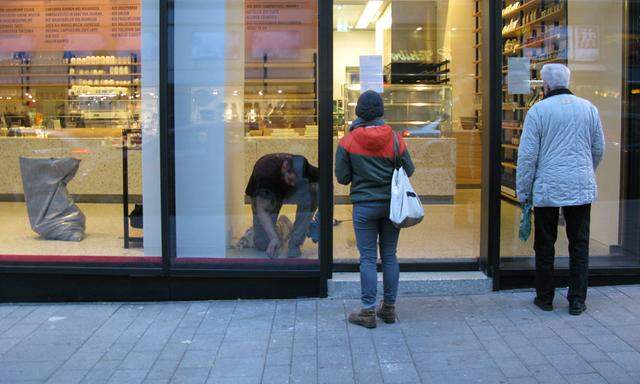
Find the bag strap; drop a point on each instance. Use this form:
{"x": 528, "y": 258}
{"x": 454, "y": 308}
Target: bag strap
{"x": 396, "y": 150}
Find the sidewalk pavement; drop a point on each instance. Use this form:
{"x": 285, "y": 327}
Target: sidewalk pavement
{"x": 492, "y": 338}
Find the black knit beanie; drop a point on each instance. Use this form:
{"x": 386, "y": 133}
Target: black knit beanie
{"x": 370, "y": 106}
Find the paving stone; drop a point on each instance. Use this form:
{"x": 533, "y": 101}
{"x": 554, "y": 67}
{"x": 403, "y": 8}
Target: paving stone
{"x": 197, "y": 359}
{"x": 547, "y": 374}
{"x": 586, "y": 378}
{"x": 238, "y": 367}
{"x": 190, "y": 375}
{"x": 65, "y": 376}
{"x": 512, "y": 367}
{"x": 330, "y": 374}
{"x": 399, "y": 373}
{"x": 613, "y": 373}
{"x": 278, "y": 356}
{"x": 278, "y": 374}
{"x": 630, "y": 361}
{"x": 590, "y": 353}
{"x": 570, "y": 364}
{"x": 127, "y": 376}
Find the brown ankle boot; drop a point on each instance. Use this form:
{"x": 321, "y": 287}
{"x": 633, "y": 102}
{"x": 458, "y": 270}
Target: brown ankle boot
{"x": 387, "y": 312}
{"x": 365, "y": 318}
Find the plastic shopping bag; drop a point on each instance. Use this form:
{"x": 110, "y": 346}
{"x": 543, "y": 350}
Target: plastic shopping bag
{"x": 525, "y": 222}
{"x": 52, "y": 212}
{"x": 406, "y": 208}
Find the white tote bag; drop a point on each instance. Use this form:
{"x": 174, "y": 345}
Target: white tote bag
{"x": 406, "y": 207}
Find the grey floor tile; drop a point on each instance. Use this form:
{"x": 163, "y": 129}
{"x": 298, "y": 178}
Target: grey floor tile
{"x": 586, "y": 378}
{"x": 614, "y": 374}
{"x": 629, "y": 361}
{"x": 590, "y": 353}
{"x": 163, "y": 369}
{"x": 276, "y": 374}
{"x": 570, "y": 364}
{"x": 333, "y": 356}
{"x": 331, "y": 374}
{"x": 238, "y": 367}
{"x": 15, "y": 371}
{"x": 547, "y": 374}
{"x": 444, "y": 361}
{"x": 512, "y": 367}
{"x": 279, "y": 356}
{"x": 197, "y": 359}
{"x": 64, "y": 376}
{"x": 464, "y": 376}
{"x": 399, "y": 373}
{"x": 190, "y": 376}
{"x": 127, "y": 376}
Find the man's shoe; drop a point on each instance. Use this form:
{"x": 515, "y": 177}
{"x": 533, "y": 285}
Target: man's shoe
{"x": 576, "y": 308}
{"x": 547, "y": 307}
{"x": 387, "y": 312}
{"x": 365, "y": 318}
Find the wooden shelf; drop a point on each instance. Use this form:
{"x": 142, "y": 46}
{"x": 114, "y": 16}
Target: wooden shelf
{"x": 510, "y": 146}
{"x": 521, "y": 8}
{"x": 509, "y": 196}
{"x": 279, "y": 65}
{"x": 509, "y": 165}
{"x": 516, "y": 32}
{"x": 309, "y": 80}
{"x": 63, "y": 75}
{"x": 512, "y": 128}
{"x": 67, "y": 65}
{"x": 35, "y": 85}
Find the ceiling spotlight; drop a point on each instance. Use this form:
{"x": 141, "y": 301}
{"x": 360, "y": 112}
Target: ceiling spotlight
{"x": 418, "y": 29}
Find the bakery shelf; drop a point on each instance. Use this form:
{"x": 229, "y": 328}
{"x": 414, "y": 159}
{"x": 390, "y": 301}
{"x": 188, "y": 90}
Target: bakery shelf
{"x": 63, "y": 75}
{"x": 509, "y": 165}
{"x": 523, "y": 7}
{"x": 519, "y": 30}
{"x": 512, "y": 128}
{"x": 308, "y": 80}
{"x": 279, "y": 65}
{"x": 510, "y": 146}
{"x": 67, "y": 65}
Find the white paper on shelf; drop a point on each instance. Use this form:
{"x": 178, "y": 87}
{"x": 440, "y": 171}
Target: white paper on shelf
{"x": 371, "y": 73}
{"x": 519, "y": 76}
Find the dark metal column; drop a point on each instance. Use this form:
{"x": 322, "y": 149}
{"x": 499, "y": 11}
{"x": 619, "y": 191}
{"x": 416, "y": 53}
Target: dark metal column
{"x": 491, "y": 123}
{"x": 325, "y": 137}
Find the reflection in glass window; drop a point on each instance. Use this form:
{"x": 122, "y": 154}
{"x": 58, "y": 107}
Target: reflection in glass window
{"x": 246, "y": 160}
{"x": 78, "y": 125}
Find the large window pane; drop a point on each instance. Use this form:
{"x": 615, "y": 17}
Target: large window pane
{"x": 429, "y": 52}
{"x": 245, "y": 104}
{"x": 78, "y": 117}
{"x": 588, "y": 37}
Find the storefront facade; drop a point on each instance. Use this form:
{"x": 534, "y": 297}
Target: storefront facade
{"x": 151, "y": 115}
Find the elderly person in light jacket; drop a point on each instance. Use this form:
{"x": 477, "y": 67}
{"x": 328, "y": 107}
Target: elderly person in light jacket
{"x": 560, "y": 149}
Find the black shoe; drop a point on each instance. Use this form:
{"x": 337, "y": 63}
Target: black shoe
{"x": 576, "y": 308}
{"x": 547, "y": 307}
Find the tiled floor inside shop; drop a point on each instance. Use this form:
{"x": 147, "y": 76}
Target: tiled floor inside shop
{"x": 449, "y": 231}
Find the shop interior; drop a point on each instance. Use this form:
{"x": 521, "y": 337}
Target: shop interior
{"x": 89, "y": 104}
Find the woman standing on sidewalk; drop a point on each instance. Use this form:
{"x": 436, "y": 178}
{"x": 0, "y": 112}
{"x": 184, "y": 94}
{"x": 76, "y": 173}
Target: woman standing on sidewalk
{"x": 365, "y": 159}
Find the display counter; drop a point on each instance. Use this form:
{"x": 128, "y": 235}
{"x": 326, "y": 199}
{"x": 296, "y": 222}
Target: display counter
{"x": 99, "y": 177}
{"x": 100, "y": 174}
{"x": 434, "y": 158}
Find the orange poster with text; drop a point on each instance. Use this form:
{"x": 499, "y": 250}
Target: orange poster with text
{"x": 280, "y": 29}
{"x": 69, "y": 25}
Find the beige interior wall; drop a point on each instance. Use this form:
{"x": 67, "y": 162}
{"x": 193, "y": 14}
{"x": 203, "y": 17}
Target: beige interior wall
{"x": 456, "y": 39}
{"x": 603, "y": 75}
{"x": 347, "y": 49}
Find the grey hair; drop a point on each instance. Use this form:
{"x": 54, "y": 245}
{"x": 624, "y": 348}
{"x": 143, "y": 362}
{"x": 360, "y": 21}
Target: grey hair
{"x": 556, "y": 75}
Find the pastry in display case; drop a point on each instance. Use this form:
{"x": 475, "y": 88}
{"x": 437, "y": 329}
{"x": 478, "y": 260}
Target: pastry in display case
{"x": 421, "y": 110}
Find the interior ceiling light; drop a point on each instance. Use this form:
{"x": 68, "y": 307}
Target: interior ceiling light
{"x": 419, "y": 29}
{"x": 370, "y": 11}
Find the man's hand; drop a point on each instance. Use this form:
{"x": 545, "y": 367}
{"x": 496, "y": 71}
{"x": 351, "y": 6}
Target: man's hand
{"x": 273, "y": 248}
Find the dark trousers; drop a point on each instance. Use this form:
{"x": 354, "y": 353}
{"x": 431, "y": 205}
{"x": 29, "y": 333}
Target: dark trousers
{"x": 304, "y": 196}
{"x": 546, "y": 232}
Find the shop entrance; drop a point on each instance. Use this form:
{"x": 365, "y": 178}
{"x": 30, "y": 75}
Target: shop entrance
{"x": 424, "y": 58}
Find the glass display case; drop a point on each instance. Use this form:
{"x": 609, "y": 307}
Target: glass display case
{"x": 415, "y": 109}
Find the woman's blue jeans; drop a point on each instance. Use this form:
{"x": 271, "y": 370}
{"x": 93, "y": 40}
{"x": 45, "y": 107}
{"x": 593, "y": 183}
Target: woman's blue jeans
{"x": 373, "y": 228}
